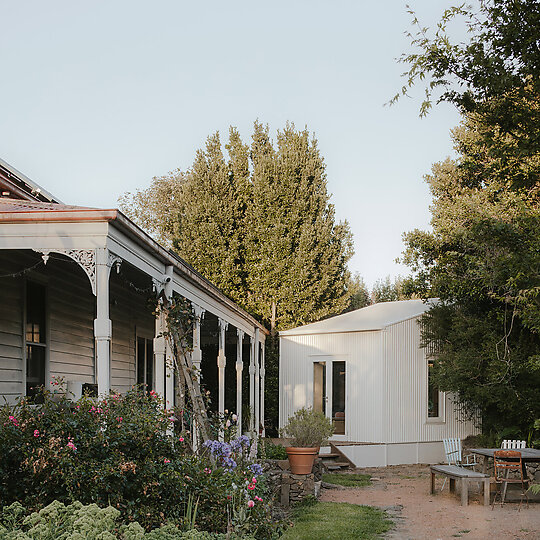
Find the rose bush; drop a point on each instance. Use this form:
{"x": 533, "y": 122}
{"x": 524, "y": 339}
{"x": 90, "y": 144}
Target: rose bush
{"x": 122, "y": 451}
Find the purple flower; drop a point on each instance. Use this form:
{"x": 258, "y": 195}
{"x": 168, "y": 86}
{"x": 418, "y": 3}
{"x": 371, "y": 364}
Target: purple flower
{"x": 256, "y": 469}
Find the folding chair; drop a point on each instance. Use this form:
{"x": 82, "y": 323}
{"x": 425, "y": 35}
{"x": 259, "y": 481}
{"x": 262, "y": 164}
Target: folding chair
{"x": 509, "y": 470}
{"x": 453, "y": 455}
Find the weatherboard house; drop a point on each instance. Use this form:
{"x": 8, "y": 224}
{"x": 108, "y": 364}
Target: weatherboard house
{"x": 368, "y": 373}
{"x": 78, "y": 288}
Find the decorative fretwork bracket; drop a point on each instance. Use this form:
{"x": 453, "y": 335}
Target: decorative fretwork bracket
{"x": 114, "y": 260}
{"x": 85, "y": 258}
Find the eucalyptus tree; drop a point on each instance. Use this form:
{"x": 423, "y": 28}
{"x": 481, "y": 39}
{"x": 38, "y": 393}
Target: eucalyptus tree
{"x": 482, "y": 258}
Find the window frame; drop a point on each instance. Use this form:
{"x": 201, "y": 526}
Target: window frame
{"x": 441, "y": 417}
{"x": 41, "y": 282}
{"x": 147, "y": 341}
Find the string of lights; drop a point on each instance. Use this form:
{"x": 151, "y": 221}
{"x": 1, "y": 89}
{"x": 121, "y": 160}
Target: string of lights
{"x": 22, "y": 272}
{"x": 127, "y": 282}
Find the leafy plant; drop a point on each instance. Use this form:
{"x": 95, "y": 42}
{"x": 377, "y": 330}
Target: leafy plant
{"x": 268, "y": 450}
{"x": 77, "y": 521}
{"x": 122, "y": 452}
{"x": 308, "y": 428}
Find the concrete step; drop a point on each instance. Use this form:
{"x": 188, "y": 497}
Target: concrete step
{"x": 337, "y": 466}
{"x": 329, "y": 456}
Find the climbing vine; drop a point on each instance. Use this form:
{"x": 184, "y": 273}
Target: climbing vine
{"x": 180, "y": 320}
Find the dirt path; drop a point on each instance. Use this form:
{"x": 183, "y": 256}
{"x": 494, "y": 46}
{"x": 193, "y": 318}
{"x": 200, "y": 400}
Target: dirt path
{"x": 421, "y": 516}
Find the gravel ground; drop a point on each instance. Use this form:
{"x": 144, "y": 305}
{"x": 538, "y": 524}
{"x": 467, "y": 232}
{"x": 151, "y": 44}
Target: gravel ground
{"x": 404, "y": 492}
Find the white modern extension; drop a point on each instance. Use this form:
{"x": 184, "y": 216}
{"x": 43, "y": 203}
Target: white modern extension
{"x": 366, "y": 370}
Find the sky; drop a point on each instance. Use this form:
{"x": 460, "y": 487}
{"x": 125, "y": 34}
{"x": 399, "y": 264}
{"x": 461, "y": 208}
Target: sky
{"x": 98, "y": 97}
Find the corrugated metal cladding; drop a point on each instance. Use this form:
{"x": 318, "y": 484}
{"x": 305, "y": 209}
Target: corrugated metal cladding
{"x": 364, "y": 386}
{"x": 386, "y": 384}
{"x": 406, "y": 389}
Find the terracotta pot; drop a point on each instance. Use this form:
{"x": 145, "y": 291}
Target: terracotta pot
{"x": 301, "y": 459}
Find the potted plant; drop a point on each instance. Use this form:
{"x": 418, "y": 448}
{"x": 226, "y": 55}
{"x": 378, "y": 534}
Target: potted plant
{"x": 308, "y": 430}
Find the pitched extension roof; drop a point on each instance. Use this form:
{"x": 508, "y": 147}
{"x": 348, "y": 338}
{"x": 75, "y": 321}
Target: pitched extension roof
{"x": 374, "y": 317}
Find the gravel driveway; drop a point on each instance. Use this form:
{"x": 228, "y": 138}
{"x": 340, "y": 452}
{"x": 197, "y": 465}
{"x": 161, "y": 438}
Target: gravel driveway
{"x": 404, "y": 492}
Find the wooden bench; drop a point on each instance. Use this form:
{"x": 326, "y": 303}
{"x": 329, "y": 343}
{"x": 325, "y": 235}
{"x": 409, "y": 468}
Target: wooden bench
{"x": 454, "y": 472}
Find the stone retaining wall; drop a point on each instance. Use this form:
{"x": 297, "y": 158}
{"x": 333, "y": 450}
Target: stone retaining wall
{"x": 288, "y": 488}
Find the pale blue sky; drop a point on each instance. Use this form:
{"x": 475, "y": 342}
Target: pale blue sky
{"x": 99, "y": 97}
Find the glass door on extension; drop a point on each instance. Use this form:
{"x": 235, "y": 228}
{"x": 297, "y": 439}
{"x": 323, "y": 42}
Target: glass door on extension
{"x": 329, "y": 383}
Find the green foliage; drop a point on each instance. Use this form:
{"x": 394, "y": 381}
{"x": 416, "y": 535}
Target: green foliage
{"x": 308, "y": 428}
{"x": 268, "y": 450}
{"x": 156, "y": 208}
{"x": 336, "y": 521}
{"x": 89, "y": 522}
{"x": 271, "y": 385}
{"x": 360, "y": 296}
{"x": 122, "y": 452}
{"x": 494, "y": 73}
{"x": 483, "y": 257}
{"x": 257, "y": 222}
{"x": 386, "y": 290}
{"x": 347, "y": 479}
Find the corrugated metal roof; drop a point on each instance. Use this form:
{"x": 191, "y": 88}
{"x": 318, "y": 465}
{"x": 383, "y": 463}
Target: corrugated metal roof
{"x": 374, "y": 317}
{"x": 20, "y": 205}
{"x": 33, "y": 190}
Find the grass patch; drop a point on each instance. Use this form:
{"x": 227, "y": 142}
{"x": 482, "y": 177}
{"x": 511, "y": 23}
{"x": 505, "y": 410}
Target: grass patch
{"x": 337, "y": 521}
{"x": 347, "y": 480}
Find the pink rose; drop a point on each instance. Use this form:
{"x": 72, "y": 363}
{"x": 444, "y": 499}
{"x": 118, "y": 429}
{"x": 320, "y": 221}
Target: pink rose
{"x": 251, "y": 504}
{"x": 181, "y": 439}
{"x": 166, "y": 460}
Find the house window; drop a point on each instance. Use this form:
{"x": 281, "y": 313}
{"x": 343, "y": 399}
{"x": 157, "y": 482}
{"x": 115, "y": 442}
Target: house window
{"x": 433, "y": 394}
{"x": 35, "y": 336}
{"x": 338, "y": 397}
{"x": 145, "y": 362}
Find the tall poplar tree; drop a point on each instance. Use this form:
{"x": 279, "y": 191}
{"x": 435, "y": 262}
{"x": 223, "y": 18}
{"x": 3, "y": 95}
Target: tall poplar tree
{"x": 298, "y": 253}
{"x": 257, "y": 221}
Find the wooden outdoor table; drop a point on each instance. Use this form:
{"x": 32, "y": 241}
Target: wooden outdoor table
{"x": 528, "y": 455}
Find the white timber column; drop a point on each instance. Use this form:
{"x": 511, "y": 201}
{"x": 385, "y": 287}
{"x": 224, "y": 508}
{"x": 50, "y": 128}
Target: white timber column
{"x": 160, "y": 343}
{"x": 168, "y": 357}
{"x": 221, "y": 363}
{"x": 257, "y": 384}
{"x": 262, "y": 372}
{"x": 102, "y": 323}
{"x": 159, "y": 353}
{"x": 196, "y": 359}
{"x": 239, "y": 370}
{"x": 196, "y": 353}
{"x": 252, "y": 385}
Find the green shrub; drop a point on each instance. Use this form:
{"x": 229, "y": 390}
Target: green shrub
{"x": 308, "y": 428}
{"x": 79, "y": 522}
{"x": 120, "y": 452}
{"x": 269, "y": 450}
